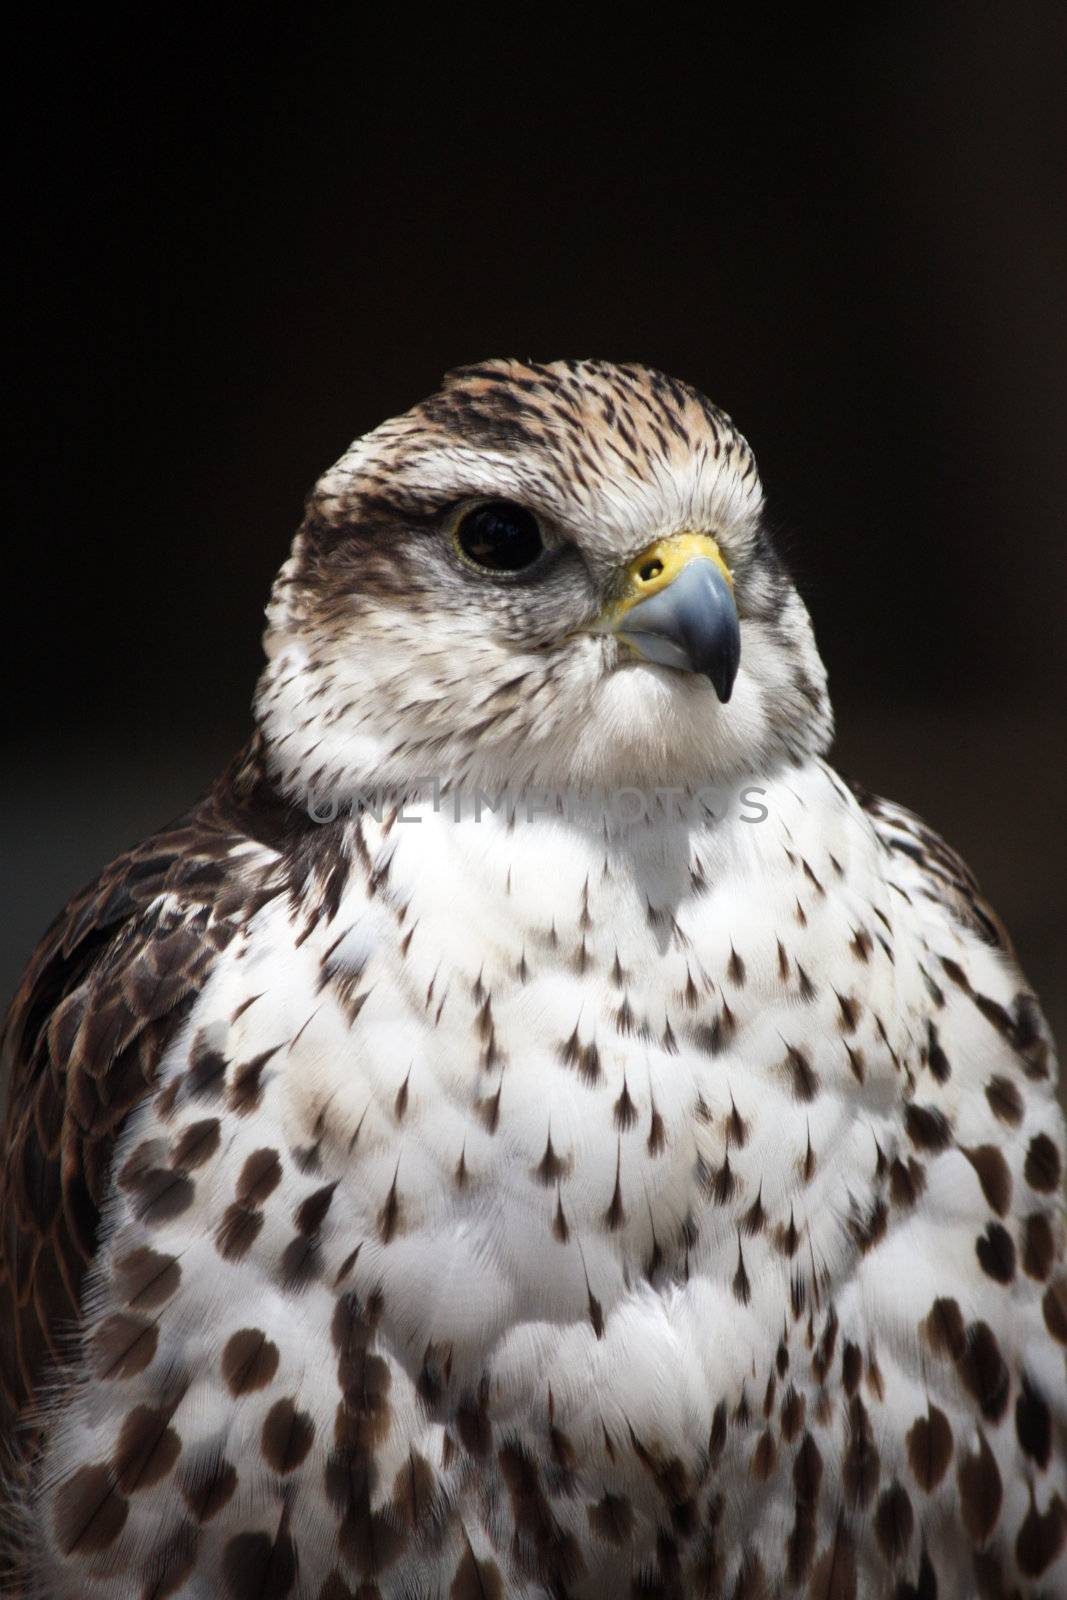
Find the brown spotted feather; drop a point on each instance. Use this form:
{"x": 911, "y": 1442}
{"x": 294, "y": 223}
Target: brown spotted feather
{"x": 108, "y": 987}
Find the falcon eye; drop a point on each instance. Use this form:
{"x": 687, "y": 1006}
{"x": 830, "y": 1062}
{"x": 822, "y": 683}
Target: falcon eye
{"x": 499, "y": 536}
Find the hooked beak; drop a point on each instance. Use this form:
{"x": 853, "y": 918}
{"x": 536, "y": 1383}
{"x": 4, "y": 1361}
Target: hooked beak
{"x": 677, "y": 610}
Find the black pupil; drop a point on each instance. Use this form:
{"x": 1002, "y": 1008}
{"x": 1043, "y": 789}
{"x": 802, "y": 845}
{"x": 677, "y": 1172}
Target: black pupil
{"x": 500, "y": 536}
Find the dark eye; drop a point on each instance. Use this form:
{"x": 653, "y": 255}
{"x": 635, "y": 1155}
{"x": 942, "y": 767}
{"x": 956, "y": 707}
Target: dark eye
{"x": 499, "y": 536}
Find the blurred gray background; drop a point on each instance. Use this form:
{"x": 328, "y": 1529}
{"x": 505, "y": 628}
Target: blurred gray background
{"x": 238, "y": 252}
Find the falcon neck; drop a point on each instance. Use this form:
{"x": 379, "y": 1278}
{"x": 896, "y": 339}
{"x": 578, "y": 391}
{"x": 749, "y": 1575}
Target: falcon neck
{"x": 530, "y": 860}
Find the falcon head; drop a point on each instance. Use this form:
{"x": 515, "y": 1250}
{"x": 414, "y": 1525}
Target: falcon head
{"x": 547, "y": 576}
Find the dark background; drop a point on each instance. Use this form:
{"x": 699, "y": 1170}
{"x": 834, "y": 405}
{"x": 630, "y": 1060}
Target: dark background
{"x": 238, "y": 251}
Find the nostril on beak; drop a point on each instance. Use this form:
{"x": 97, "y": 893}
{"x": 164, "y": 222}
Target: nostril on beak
{"x": 650, "y": 570}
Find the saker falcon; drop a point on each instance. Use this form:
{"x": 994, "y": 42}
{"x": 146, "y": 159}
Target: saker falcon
{"x": 554, "y": 1200}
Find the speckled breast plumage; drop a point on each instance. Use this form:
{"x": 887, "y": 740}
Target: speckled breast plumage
{"x": 575, "y": 1268}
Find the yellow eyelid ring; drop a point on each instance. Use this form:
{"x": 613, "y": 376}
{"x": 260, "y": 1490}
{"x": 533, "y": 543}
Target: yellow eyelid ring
{"x": 677, "y": 610}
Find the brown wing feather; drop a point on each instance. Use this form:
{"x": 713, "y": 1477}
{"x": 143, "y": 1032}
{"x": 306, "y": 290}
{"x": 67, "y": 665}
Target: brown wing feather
{"x": 108, "y": 986}
{"x": 948, "y": 878}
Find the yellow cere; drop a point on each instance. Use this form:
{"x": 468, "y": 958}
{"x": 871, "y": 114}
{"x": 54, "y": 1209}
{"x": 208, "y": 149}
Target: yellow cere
{"x": 661, "y": 563}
